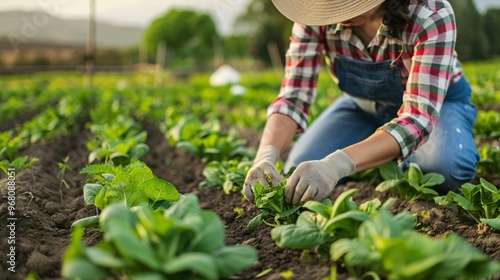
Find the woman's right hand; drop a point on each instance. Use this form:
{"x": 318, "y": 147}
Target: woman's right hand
{"x": 263, "y": 171}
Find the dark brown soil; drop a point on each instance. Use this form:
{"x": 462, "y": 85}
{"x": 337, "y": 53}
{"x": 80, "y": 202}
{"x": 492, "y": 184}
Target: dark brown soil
{"x": 42, "y": 230}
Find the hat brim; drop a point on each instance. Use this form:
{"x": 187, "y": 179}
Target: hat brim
{"x": 324, "y": 12}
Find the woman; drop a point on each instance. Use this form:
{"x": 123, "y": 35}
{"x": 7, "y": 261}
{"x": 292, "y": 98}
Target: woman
{"x": 405, "y": 97}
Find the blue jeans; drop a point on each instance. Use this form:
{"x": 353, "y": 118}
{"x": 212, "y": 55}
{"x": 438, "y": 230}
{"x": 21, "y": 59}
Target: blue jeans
{"x": 450, "y": 149}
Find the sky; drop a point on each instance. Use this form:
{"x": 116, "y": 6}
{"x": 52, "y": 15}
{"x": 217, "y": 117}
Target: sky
{"x": 137, "y": 13}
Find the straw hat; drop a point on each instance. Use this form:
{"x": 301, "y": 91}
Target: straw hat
{"x": 324, "y": 12}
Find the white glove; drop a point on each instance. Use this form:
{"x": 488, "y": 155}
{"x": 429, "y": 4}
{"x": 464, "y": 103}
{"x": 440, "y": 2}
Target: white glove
{"x": 262, "y": 171}
{"x": 316, "y": 179}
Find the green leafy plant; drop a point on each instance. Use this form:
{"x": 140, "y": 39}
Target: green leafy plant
{"x": 487, "y": 124}
{"x": 273, "y": 208}
{"x": 131, "y": 186}
{"x": 489, "y": 162}
{"x": 63, "y": 166}
{"x": 46, "y": 125}
{"x": 370, "y": 176}
{"x": 206, "y": 140}
{"x": 387, "y": 247}
{"x": 324, "y": 222}
{"x": 227, "y": 174}
{"x": 17, "y": 164}
{"x": 481, "y": 202}
{"x": 11, "y": 144}
{"x": 410, "y": 185}
{"x": 120, "y": 142}
{"x": 53, "y": 121}
{"x": 182, "y": 242}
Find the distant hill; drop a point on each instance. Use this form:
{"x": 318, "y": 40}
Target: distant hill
{"x": 39, "y": 26}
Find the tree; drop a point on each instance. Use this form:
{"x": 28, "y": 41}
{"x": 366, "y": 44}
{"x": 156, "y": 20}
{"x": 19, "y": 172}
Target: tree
{"x": 109, "y": 57}
{"x": 40, "y": 59}
{"x": 235, "y": 46}
{"x": 491, "y": 26}
{"x": 186, "y": 33}
{"x": 472, "y": 42}
{"x": 130, "y": 55}
{"x": 266, "y": 24}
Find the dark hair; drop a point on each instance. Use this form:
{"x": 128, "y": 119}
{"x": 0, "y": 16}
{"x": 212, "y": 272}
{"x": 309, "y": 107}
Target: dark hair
{"x": 396, "y": 14}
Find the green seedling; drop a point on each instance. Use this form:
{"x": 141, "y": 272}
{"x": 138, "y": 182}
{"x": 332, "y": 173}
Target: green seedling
{"x": 324, "y": 223}
{"x": 120, "y": 142}
{"x": 481, "y": 202}
{"x": 487, "y": 124}
{"x": 489, "y": 162}
{"x": 206, "y": 140}
{"x": 238, "y": 211}
{"x": 131, "y": 186}
{"x": 410, "y": 185}
{"x": 17, "y": 164}
{"x": 63, "y": 166}
{"x": 273, "y": 208}
{"x": 228, "y": 175}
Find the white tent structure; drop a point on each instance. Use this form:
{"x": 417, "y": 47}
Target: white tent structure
{"x": 225, "y": 75}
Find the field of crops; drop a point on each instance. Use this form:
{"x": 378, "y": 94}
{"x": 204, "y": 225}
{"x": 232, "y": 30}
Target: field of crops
{"x": 130, "y": 180}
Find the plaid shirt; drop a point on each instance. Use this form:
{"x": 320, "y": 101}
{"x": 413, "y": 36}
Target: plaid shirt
{"x": 428, "y": 65}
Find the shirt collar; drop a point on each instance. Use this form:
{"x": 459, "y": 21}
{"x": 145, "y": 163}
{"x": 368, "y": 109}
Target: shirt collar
{"x": 383, "y": 30}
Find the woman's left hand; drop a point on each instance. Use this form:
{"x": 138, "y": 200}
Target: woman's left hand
{"x": 316, "y": 179}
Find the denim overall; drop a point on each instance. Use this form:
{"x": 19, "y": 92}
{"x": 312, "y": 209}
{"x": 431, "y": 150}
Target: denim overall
{"x": 373, "y": 95}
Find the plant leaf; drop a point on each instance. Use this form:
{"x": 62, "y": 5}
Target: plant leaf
{"x": 188, "y": 146}
{"x": 432, "y": 179}
{"x": 414, "y": 176}
{"x": 255, "y": 222}
{"x": 120, "y": 158}
{"x": 289, "y": 212}
{"x": 117, "y": 221}
{"x": 139, "y": 151}
{"x": 198, "y": 263}
{"x": 100, "y": 199}
{"x": 343, "y": 203}
{"x": 370, "y": 206}
{"x": 298, "y": 237}
{"x": 463, "y": 202}
{"x": 158, "y": 189}
{"x": 494, "y": 223}
{"x": 443, "y": 200}
{"x": 76, "y": 268}
{"x": 141, "y": 174}
{"x": 388, "y": 184}
{"x": 92, "y": 221}
{"x": 210, "y": 233}
{"x": 103, "y": 258}
{"x": 122, "y": 177}
{"x": 390, "y": 171}
{"x": 319, "y": 208}
{"x": 345, "y": 221}
{"x": 231, "y": 260}
{"x": 127, "y": 194}
{"x": 90, "y": 192}
{"x": 489, "y": 186}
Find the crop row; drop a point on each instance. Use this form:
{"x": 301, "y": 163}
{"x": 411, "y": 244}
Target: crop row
{"x": 149, "y": 230}
{"x": 173, "y": 234}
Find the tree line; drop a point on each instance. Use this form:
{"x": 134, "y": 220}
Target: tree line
{"x": 192, "y": 38}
